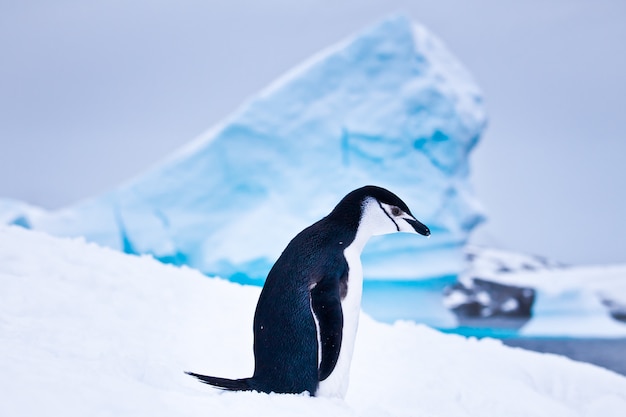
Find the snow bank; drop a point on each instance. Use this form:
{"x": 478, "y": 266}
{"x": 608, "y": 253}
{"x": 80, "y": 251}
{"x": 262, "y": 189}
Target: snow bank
{"x": 18, "y": 213}
{"x": 389, "y": 106}
{"x": 86, "y": 330}
{"x": 574, "y": 301}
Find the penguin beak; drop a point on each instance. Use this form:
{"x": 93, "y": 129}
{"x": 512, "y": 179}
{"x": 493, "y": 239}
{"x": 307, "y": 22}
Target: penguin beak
{"x": 419, "y": 227}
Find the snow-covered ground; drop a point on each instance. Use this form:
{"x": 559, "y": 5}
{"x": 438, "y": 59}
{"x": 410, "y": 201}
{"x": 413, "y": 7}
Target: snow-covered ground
{"x": 86, "y": 330}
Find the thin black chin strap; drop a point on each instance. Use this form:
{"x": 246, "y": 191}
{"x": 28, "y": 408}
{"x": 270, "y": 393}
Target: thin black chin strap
{"x": 390, "y": 218}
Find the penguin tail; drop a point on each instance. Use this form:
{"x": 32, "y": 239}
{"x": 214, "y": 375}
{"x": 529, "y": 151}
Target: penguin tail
{"x": 224, "y": 383}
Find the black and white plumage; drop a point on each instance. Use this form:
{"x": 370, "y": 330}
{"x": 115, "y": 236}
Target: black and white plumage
{"x": 307, "y": 314}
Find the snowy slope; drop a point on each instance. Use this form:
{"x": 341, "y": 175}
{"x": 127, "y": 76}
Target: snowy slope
{"x": 390, "y": 106}
{"x": 91, "y": 331}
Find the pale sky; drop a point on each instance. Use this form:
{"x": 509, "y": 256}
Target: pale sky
{"x": 92, "y": 93}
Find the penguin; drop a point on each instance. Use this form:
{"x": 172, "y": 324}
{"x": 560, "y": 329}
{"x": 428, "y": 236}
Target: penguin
{"x": 307, "y": 315}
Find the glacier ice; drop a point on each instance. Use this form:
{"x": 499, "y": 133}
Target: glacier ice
{"x": 389, "y": 106}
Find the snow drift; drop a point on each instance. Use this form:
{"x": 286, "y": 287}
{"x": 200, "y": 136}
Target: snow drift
{"x": 390, "y": 106}
{"x": 86, "y": 330}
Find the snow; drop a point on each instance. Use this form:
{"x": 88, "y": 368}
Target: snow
{"x": 490, "y": 263}
{"x": 543, "y": 298}
{"x": 556, "y": 300}
{"x": 573, "y": 301}
{"x": 86, "y": 330}
{"x": 389, "y": 106}
{"x": 17, "y": 212}
{"x": 605, "y": 280}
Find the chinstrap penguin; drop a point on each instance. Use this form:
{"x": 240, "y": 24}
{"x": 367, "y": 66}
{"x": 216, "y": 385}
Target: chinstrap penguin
{"x": 307, "y": 314}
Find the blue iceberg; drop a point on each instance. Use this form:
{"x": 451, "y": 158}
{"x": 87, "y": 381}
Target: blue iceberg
{"x": 390, "y": 106}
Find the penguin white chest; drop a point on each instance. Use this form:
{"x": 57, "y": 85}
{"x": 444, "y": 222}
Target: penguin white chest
{"x": 336, "y": 385}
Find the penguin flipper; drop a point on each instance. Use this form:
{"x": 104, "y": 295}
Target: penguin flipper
{"x": 223, "y": 383}
{"x": 326, "y": 305}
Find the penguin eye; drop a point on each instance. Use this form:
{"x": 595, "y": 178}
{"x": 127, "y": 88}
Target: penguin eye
{"x": 396, "y": 211}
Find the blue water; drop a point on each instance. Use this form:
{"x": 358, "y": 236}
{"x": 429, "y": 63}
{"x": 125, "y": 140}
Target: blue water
{"x": 420, "y": 301}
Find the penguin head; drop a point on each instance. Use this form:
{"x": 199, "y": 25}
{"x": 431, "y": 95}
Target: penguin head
{"x": 382, "y": 212}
